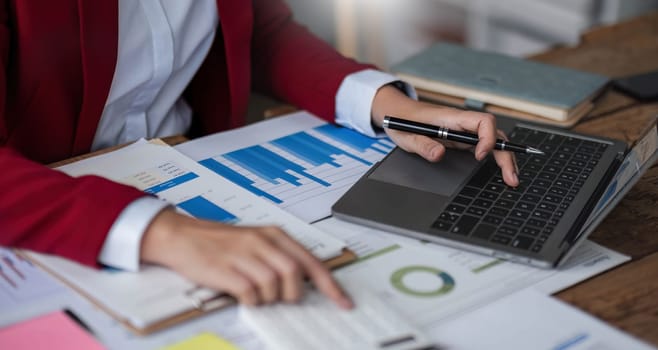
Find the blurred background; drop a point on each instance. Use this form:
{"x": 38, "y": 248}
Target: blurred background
{"x": 385, "y": 32}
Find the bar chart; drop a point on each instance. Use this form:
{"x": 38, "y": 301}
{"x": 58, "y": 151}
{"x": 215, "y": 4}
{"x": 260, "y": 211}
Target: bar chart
{"x": 304, "y": 172}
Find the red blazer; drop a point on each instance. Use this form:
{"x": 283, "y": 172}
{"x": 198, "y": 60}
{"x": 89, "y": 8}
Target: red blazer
{"x": 58, "y": 62}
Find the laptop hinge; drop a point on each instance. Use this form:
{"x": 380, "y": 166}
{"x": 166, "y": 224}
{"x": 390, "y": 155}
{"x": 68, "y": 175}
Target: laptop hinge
{"x": 576, "y": 230}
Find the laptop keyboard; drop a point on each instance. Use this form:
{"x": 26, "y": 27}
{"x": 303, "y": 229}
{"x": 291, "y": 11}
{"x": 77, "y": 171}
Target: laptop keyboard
{"x": 526, "y": 216}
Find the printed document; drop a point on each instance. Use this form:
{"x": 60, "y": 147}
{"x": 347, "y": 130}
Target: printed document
{"x": 155, "y": 293}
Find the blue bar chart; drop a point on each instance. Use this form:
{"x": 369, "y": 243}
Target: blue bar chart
{"x": 202, "y": 208}
{"x": 303, "y": 172}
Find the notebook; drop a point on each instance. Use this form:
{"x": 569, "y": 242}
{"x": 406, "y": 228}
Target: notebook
{"x": 501, "y": 84}
{"x": 464, "y": 203}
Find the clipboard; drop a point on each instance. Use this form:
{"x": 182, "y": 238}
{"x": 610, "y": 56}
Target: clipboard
{"x": 186, "y": 302}
{"x": 201, "y": 299}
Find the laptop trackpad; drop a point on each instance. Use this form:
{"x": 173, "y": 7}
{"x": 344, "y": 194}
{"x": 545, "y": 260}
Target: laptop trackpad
{"x": 410, "y": 170}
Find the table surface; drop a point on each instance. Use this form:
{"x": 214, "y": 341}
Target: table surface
{"x": 627, "y": 296}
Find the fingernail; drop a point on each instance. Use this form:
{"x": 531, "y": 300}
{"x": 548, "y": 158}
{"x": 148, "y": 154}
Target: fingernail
{"x": 346, "y": 303}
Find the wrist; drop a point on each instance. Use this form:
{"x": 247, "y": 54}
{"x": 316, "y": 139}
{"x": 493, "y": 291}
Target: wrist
{"x": 389, "y": 100}
{"x": 158, "y": 236}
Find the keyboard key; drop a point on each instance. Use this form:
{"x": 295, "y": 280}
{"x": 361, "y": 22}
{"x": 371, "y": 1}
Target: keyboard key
{"x": 555, "y": 139}
{"x": 462, "y": 200}
{"x": 494, "y": 220}
{"x": 546, "y": 206}
{"x": 482, "y": 203}
{"x": 525, "y": 206}
{"x": 501, "y": 239}
{"x": 455, "y": 208}
{"x": 498, "y": 211}
{"x": 482, "y": 176}
{"x": 535, "y": 137}
{"x": 522, "y": 242}
{"x": 489, "y": 195}
{"x": 559, "y": 191}
{"x": 447, "y": 216}
{"x": 503, "y": 203}
{"x": 476, "y": 211}
{"x": 538, "y": 214}
{"x": 494, "y": 188}
{"x": 469, "y": 192}
{"x": 571, "y": 141}
{"x": 541, "y": 183}
{"x": 519, "y": 214}
{"x": 553, "y": 198}
{"x": 531, "y": 198}
{"x": 557, "y": 162}
{"x": 552, "y": 169}
{"x": 536, "y": 190}
{"x": 563, "y": 183}
{"x": 464, "y": 225}
{"x": 572, "y": 169}
{"x": 507, "y": 230}
{"x": 568, "y": 177}
{"x": 530, "y": 231}
{"x": 442, "y": 225}
{"x": 510, "y": 195}
{"x": 536, "y": 222}
{"x": 513, "y": 222}
{"x": 484, "y": 231}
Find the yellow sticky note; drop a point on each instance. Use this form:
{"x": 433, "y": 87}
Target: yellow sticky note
{"x": 203, "y": 341}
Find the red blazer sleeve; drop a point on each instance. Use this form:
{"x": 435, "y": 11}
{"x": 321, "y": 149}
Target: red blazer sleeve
{"x": 43, "y": 209}
{"x": 48, "y": 211}
{"x": 292, "y": 64}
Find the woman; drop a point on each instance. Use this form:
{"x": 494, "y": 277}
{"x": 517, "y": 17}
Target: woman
{"x": 83, "y": 75}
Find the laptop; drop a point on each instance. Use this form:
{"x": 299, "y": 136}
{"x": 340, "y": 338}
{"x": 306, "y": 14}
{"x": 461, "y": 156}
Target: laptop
{"x": 464, "y": 203}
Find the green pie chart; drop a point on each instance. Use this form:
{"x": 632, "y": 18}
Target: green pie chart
{"x": 399, "y": 280}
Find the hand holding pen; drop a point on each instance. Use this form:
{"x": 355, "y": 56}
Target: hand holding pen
{"x": 452, "y": 135}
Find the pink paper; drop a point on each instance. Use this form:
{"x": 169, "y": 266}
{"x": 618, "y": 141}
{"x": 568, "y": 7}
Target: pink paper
{"x": 51, "y": 331}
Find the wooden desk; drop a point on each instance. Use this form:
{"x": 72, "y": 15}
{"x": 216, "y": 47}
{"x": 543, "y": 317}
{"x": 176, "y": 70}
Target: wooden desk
{"x": 626, "y": 297}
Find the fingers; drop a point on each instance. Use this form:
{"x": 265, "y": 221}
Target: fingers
{"x": 239, "y": 286}
{"x": 316, "y": 271}
{"x": 484, "y": 124}
{"x": 254, "y": 264}
{"x": 288, "y": 271}
{"x": 507, "y": 163}
{"x": 428, "y": 148}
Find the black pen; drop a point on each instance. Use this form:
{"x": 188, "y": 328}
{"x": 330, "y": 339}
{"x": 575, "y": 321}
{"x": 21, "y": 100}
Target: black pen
{"x": 447, "y": 134}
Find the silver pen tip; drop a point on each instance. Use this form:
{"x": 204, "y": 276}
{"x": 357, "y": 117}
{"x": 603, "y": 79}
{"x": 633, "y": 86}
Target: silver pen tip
{"x": 532, "y": 150}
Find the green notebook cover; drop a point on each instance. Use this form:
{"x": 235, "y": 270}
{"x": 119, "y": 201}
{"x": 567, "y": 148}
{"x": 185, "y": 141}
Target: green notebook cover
{"x": 513, "y": 78}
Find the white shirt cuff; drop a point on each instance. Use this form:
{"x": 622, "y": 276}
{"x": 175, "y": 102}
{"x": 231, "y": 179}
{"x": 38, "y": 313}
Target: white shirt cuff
{"x": 123, "y": 242}
{"x": 356, "y": 94}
